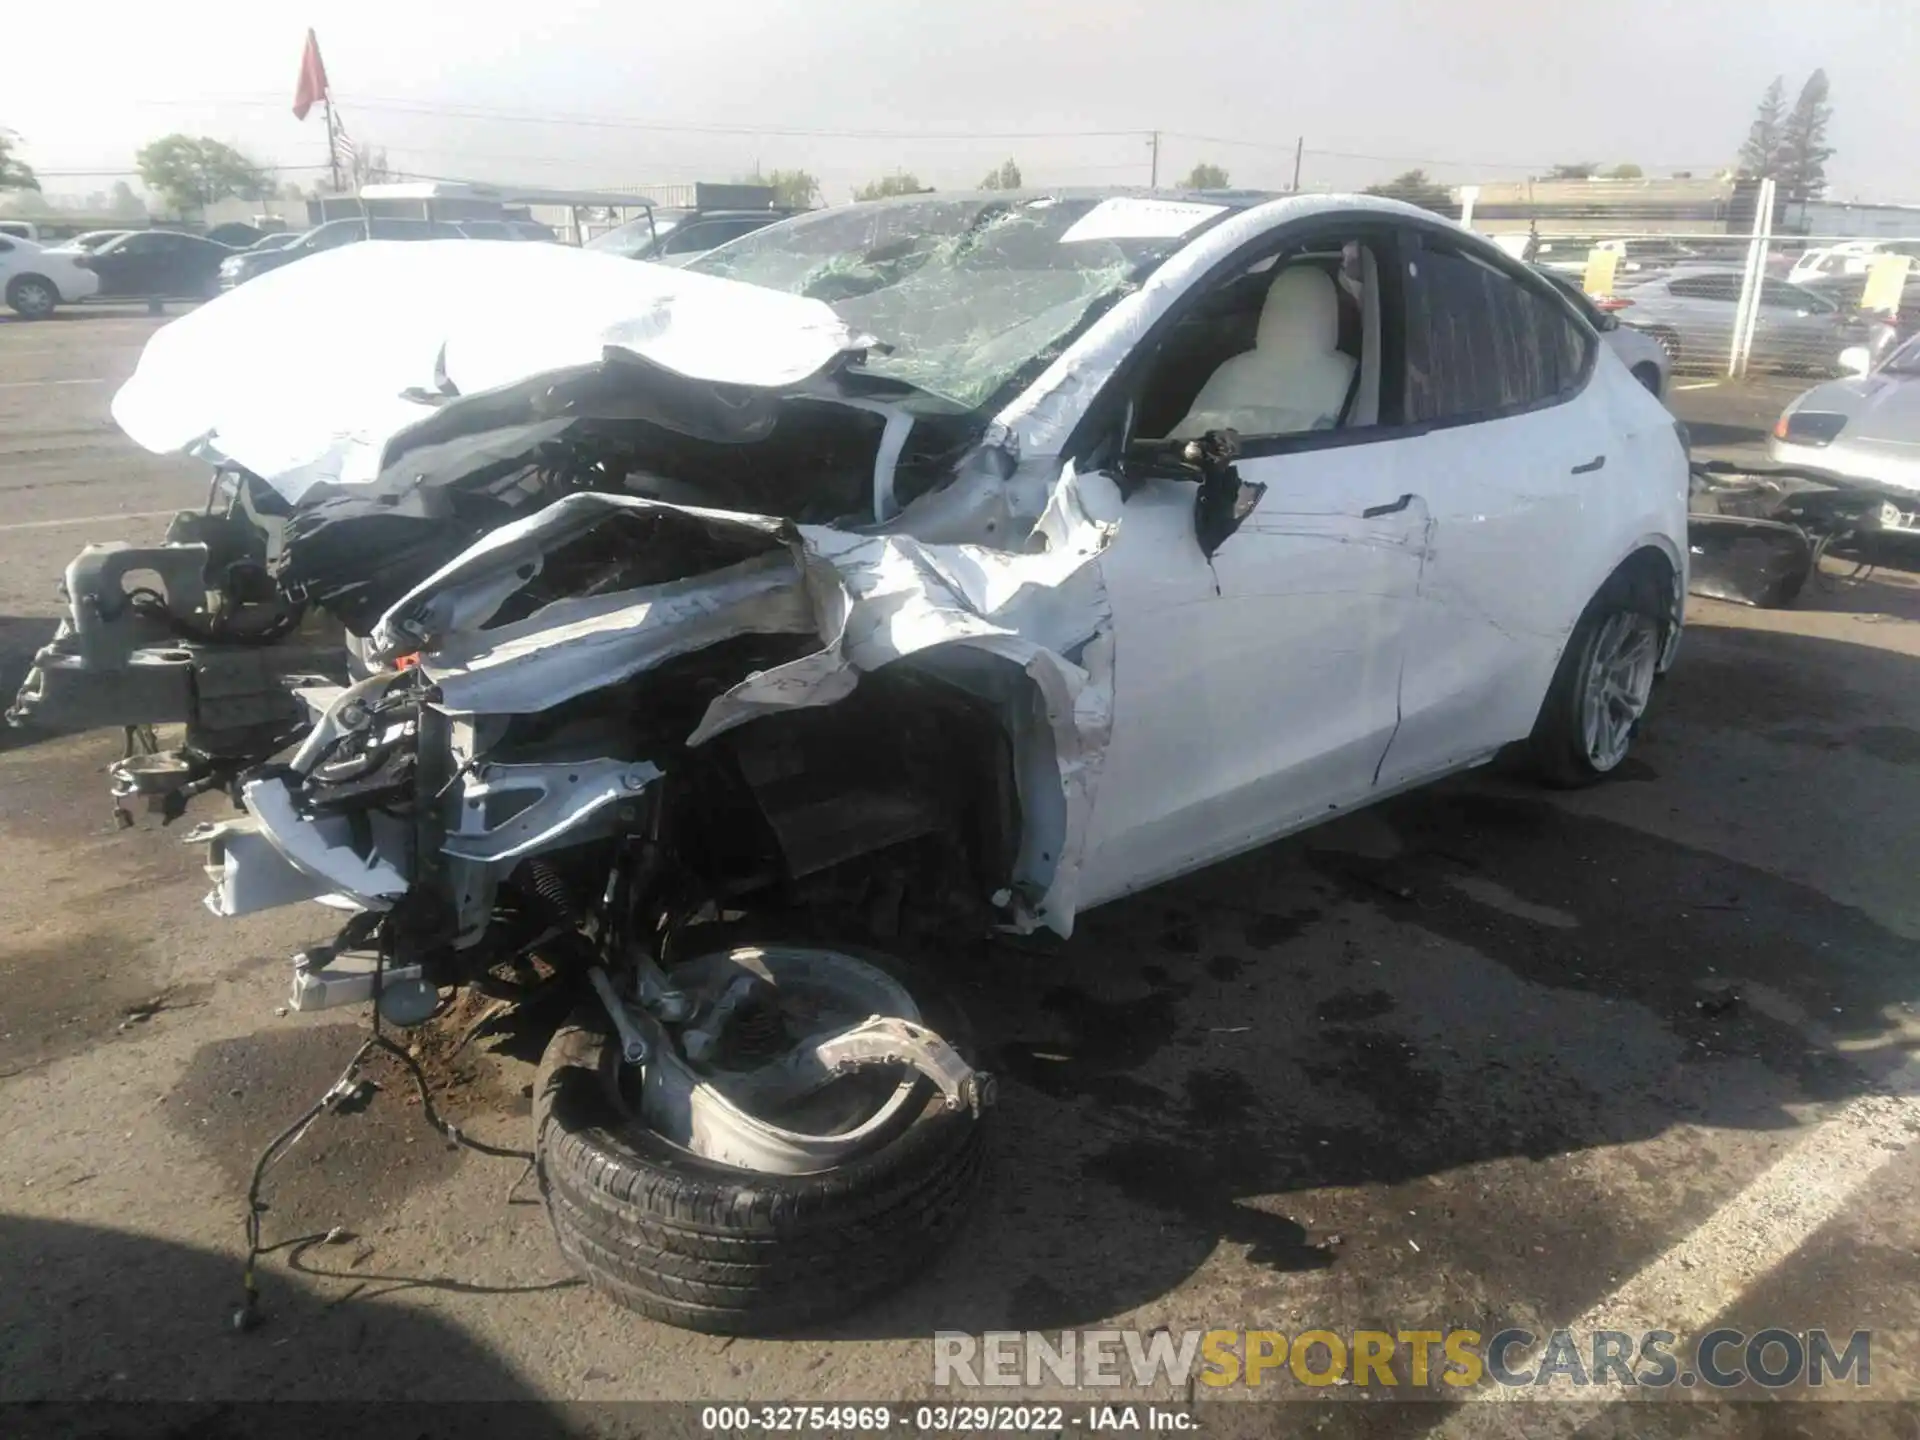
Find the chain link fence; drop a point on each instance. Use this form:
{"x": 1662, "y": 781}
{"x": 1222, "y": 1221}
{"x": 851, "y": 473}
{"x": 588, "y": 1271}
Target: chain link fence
{"x": 1710, "y": 270}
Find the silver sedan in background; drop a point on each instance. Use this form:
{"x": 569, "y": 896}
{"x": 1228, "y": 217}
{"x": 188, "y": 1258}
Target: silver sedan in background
{"x": 1864, "y": 427}
{"x": 1691, "y": 313}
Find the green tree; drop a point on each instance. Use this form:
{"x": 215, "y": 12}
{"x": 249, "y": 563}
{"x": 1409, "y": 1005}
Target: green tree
{"x": 28, "y": 204}
{"x": 14, "y": 174}
{"x": 899, "y": 183}
{"x": 193, "y": 173}
{"x": 1415, "y": 188}
{"x": 1625, "y": 172}
{"x": 1205, "y": 176}
{"x": 1800, "y": 162}
{"x": 1582, "y": 170}
{"x": 1005, "y": 176}
{"x": 1762, "y": 147}
{"x": 793, "y": 189}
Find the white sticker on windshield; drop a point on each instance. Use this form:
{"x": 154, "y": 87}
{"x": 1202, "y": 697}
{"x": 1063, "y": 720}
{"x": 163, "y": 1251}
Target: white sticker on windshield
{"x": 1127, "y": 217}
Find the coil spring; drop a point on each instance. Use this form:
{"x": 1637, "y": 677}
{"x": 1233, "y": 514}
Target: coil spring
{"x": 546, "y": 881}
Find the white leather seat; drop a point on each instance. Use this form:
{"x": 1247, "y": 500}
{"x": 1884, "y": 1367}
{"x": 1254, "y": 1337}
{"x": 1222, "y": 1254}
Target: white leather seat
{"x": 1295, "y": 378}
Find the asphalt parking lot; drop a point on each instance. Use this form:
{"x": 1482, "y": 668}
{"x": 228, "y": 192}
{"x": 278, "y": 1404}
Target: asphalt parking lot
{"x": 1638, "y": 1056}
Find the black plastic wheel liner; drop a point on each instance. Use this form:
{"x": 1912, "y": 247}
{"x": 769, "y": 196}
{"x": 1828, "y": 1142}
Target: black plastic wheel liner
{"x": 1750, "y": 562}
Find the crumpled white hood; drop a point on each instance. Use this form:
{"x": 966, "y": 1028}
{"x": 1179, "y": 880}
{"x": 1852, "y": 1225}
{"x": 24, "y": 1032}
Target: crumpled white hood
{"x": 300, "y": 375}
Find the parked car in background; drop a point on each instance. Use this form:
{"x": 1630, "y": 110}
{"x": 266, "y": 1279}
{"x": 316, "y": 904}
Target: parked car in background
{"x": 274, "y": 242}
{"x": 1848, "y": 257}
{"x": 252, "y": 263}
{"x": 1637, "y": 258}
{"x": 673, "y": 237}
{"x": 157, "y": 265}
{"x": 1863, "y": 427}
{"x": 88, "y": 241}
{"x": 1646, "y": 359}
{"x": 36, "y": 280}
{"x": 236, "y": 234}
{"x": 506, "y": 230}
{"x": 20, "y": 230}
{"x": 1691, "y": 311}
{"x": 1847, "y": 291}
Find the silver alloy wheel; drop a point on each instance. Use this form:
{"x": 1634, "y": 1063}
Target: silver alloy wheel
{"x": 34, "y": 297}
{"x": 1620, "y": 670}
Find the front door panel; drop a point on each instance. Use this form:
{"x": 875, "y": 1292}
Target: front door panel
{"x": 1255, "y": 692}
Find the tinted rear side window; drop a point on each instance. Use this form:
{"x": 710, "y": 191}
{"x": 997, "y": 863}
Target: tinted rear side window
{"x": 1479, "y": 341}
{"x": 1707, "y": 287}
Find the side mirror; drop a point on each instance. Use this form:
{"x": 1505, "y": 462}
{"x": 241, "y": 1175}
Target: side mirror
{"x": 1854, "y": 360}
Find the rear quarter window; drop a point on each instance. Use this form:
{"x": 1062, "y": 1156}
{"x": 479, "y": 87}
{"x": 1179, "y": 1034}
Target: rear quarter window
{"x": 1706, "y": 287}
{"x": 1481, "y": 341}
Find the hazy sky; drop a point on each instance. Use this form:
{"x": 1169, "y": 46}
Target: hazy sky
{"x": 1469, "y": 89}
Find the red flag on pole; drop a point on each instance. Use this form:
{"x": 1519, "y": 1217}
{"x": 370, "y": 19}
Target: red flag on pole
{"x": 313, "y": 79}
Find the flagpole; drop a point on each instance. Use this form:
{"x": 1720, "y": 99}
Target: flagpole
{"x": 333, "y": 150}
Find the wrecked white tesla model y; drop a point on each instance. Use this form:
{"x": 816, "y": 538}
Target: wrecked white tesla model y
{"x": 894, "y": 575}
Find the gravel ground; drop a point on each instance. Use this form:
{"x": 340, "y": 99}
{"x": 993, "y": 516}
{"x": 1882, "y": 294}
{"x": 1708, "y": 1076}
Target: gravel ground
{"x": 1480, "y": 1054}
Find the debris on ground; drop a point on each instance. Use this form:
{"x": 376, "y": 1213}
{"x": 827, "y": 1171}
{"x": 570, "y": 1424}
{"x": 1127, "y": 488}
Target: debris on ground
{"x": 1718, "y": 997}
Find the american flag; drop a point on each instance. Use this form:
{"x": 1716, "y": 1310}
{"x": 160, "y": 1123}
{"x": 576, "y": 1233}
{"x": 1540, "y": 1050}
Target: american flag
{"x": 345, "y": 151}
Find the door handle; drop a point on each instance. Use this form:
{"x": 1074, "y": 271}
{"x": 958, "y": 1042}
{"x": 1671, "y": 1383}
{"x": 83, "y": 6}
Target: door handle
{"x": 1592, "y": 465}
{"x": 1374, "y": 512}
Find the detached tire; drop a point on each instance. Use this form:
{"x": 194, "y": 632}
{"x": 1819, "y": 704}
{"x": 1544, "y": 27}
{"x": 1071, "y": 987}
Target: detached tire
{"x": 709, "y": 1247}
{"x": 1562, "y": 751}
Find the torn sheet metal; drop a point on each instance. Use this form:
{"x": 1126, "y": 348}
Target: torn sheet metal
{"x": 572, "y": 647}
{"x": 385, "y": 330}
{"x": 870, "y": 600}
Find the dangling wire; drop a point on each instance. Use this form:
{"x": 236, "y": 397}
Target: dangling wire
{"x": 344, "y": 1090}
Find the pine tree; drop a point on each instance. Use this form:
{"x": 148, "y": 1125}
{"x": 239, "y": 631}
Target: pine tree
{"x": 1800, "y": 165}
{"x": 1759, "y": 155}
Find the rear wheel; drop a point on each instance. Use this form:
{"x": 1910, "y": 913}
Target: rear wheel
{"x": 1601, "y": 688}
{"x": 32, "y": 297}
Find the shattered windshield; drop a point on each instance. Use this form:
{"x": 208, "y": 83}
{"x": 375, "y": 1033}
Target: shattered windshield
{"x": 964, "y": 295}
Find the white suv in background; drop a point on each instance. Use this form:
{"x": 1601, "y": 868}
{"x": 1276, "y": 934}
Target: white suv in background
{"x": 35, "y": 279}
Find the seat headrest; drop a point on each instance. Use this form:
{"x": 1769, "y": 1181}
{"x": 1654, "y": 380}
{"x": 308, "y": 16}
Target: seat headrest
{"x": 1301, "y": 312}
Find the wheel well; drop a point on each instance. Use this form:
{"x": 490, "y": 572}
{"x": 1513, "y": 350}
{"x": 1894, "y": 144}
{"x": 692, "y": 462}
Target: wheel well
{"x": 1648, "y": 374}
{"x": 1649, "y": 570}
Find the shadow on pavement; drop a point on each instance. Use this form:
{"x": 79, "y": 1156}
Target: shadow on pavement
{"x": 20, "y": 639}
{"x": 101, "y": 1316}
{"x": 1244, "y": 1058}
